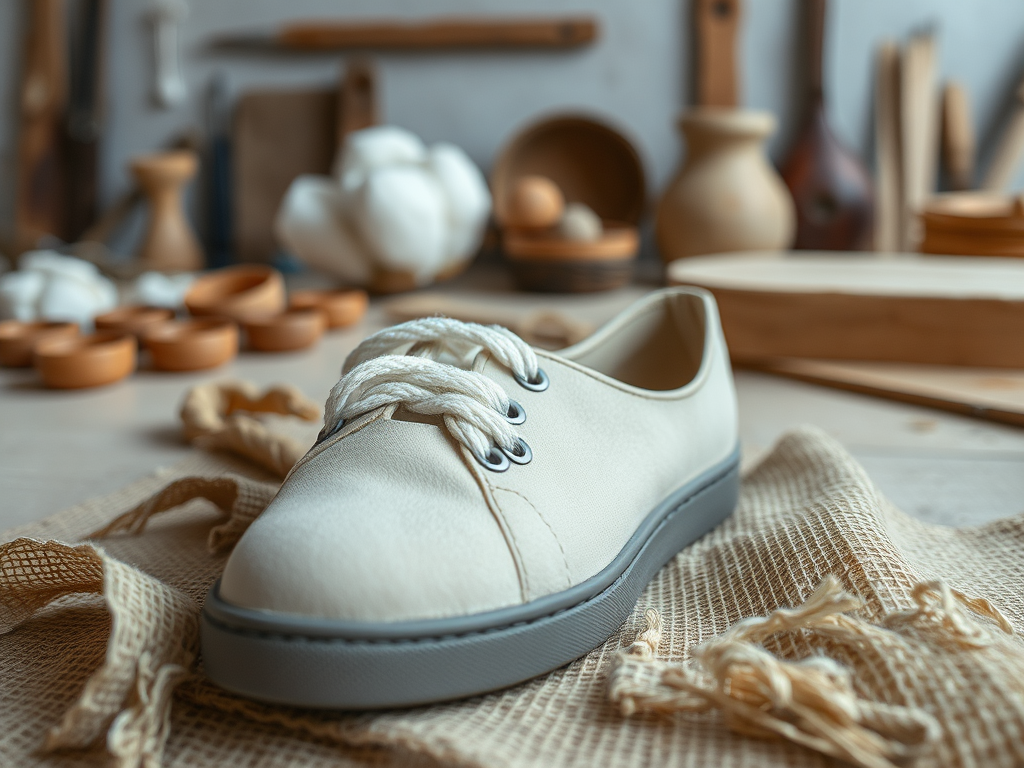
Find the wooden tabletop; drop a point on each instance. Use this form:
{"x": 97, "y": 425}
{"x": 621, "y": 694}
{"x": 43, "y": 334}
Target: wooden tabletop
{"x": 59, "y": 448}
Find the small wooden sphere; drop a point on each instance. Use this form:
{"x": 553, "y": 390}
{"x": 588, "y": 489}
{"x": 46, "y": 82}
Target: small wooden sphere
{"x": 536, "y": 202}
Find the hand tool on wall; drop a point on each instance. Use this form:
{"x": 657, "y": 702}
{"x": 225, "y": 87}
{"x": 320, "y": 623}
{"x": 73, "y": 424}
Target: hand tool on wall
{"x": 85, "y": 115}
{"x": 39, "y": 197}
{"x": 552, "y": 32}
{"x": 168, "y": 85}
{"x": 830, "y": 186}
{"x": 1007, "y": 157}
{"x": 958, "y": 145}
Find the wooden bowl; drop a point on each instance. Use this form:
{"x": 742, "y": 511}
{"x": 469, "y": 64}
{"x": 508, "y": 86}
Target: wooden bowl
{"x": 973, "y": 224}
{"x": 133, "y": 319}
{"x": 291, "y": 330}
{"x": 342, "y": 307}
{"x": 18, "y": 339}
{"x": 86, "y": 361}
{"x": 237, "y": 292}
{"x": 590, "y": 162}
{"x": 551, "y": 263}
{"x": 192, "y": 345}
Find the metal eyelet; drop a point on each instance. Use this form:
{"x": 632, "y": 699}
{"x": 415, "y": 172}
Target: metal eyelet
{"x": 495, "y": 460}
{"x": 516, "y": 413}
{"x": 525, "y": 456}
{"x": 539, "y": 384}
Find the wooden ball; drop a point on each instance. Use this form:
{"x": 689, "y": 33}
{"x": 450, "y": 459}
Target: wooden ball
{"x": 536, "y": 202}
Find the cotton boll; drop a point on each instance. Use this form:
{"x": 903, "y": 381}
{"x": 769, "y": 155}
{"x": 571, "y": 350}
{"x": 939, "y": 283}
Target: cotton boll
{"x": 377, "y": 147}
{"x": 401, "y": 215}
{"x": 580, "y": 223}
{"x": 155, "y": 289}
{"x": 311, "y": 224}
{"x": 19, "y": 295}
{"x": 68, "y": 298}
{"x": 467, "y": 197}
{"x": 53, "y": 263}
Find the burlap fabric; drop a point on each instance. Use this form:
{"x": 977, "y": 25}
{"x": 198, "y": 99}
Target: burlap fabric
{"x": 808, "y": 511}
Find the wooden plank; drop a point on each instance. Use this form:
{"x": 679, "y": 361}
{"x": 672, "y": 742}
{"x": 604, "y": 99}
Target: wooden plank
{"x": 277, "y": 135}
{"x": 918, "y": 309}
{"x": 995, "y": 395}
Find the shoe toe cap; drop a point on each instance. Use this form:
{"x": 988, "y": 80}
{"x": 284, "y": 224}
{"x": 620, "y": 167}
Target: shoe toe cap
{"x": 378, "y": 533}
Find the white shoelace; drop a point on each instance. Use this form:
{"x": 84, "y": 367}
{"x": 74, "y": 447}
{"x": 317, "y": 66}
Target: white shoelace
{"x": 397, "y": 366}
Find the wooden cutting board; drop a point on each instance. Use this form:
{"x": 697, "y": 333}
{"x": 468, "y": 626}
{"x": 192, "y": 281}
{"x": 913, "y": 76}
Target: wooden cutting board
{"x": 898, "y": 308}
{"x": 993, "y": 394}
{"x": 276, "y": 136}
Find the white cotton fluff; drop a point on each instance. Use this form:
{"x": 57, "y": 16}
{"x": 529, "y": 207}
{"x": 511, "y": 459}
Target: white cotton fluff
{"x": 50, "y": 286}
{"x": 394, "y": 205}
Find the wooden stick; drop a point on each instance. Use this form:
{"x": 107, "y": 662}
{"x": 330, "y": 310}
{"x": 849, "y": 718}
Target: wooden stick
{"x": 563, "y": 32}
{"x": 717, "y": 25}
{"x": 39, "y": 204}
{"x": 957, "y": 136}
{"x": 889, "y": 204}
{"x": 1008, "y": 153}
{"x": 919, "y": 129}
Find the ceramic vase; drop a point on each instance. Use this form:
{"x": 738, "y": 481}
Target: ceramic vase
{"x": 727, "y": 196}
{"x": 169, "y": 244}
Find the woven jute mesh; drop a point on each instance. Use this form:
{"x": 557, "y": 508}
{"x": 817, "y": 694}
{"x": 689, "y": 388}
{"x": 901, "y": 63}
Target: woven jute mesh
{"x": 116, "y": 615}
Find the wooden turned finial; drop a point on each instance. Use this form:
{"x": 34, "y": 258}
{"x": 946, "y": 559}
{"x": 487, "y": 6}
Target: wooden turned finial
{"x": 169, "y": 245}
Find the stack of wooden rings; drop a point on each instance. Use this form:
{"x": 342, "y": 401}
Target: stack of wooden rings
{"x": 974, "y": 224}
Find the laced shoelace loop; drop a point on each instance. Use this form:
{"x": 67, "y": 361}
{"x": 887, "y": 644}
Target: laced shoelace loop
{"x": 397, "y": 367}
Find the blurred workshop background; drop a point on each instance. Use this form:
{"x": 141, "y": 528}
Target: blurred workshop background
{"x": 637, "y": 72}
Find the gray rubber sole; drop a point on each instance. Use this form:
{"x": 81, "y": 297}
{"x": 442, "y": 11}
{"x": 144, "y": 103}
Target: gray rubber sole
{"x": 310, "y": 662}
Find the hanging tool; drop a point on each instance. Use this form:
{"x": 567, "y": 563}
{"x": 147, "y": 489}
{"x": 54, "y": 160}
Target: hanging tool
{"x": 85, "y": 115}
{"x": 169, "y": 85}
{"x": 39, "y": 198}
{"x": 563, "y": 32}
{"x": 830, "y": 186}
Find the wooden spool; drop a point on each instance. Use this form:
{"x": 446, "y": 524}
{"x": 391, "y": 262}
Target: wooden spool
{"x": 591, "y": 163}
{"x": 169, "y": 243}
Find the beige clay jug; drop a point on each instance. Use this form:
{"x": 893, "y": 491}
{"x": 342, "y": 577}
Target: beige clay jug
{"x": 726, "y": 196}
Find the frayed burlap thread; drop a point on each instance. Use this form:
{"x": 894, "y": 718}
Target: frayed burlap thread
{"x": 812, "y": 701}
{"x": 806, "y": 513}
{"x": 154, "y": 639}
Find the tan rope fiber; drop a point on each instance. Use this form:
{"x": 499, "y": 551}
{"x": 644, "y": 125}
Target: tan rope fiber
{"x": 242, "y": 499}
{"x": 219, "y": 416}
{"x": 811, "y": 701}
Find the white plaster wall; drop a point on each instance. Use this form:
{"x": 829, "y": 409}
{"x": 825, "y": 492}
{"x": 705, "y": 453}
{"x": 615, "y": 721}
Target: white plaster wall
{"x": 637, "y": 73}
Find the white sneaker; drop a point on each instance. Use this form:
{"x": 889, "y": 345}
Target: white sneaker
{"x": 475, "y": 512}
